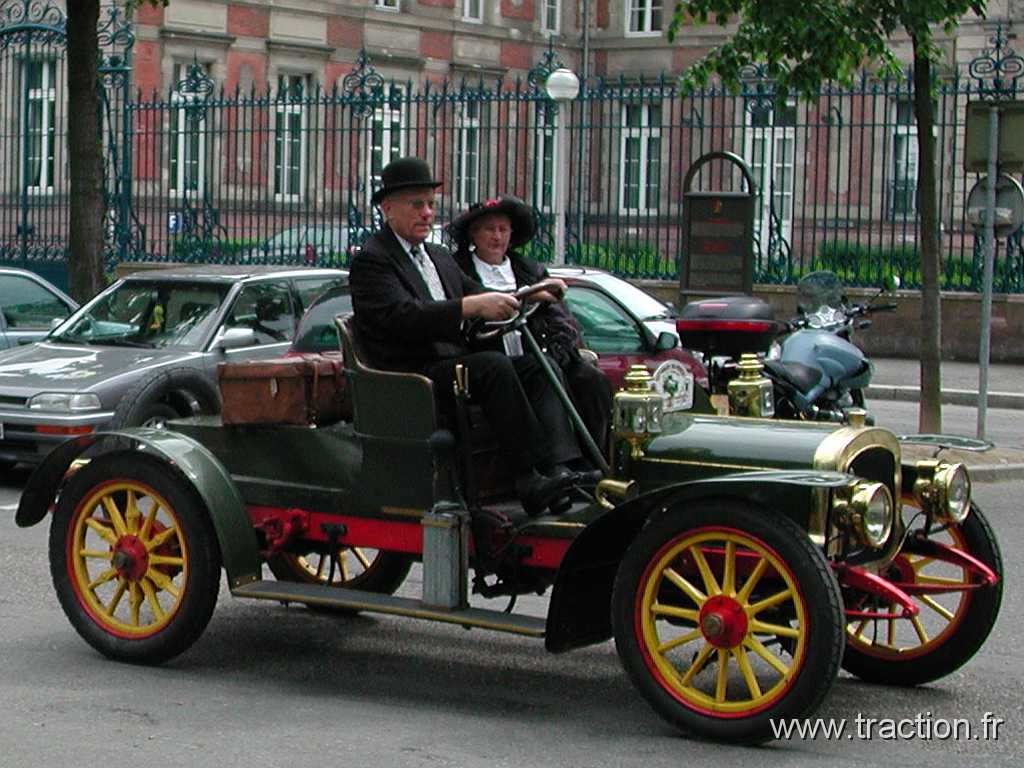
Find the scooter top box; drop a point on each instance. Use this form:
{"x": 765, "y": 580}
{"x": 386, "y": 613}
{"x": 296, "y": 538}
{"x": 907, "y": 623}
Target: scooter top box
{"x": 729, "y": 326}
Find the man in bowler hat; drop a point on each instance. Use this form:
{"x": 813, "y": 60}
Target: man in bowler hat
{"x": 411, "y": 302}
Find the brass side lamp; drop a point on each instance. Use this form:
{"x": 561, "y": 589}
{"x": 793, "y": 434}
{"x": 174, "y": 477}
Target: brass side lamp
{"x": 637, "y": 410}
{"x": 750, "y": 394}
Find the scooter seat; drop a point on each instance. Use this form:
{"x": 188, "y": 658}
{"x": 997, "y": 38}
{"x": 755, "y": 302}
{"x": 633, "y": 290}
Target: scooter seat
{"x": 803, "y": 378}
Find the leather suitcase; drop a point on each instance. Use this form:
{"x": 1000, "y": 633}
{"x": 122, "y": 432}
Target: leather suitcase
{"x": 307, "y": 390}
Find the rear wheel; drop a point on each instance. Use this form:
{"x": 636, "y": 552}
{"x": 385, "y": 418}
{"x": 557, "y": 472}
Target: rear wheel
{"x": 957, "y": 611}
{"x": 727, "y": 618}
{"x": 134, "y": 559}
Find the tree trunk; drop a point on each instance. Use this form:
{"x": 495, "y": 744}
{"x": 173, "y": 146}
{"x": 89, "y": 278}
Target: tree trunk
{"x": 930, "y": 413}
{"x": 85, "y": 147}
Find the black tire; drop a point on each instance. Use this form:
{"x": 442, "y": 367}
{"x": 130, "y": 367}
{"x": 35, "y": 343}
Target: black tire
{"x": 382, "y": 572}
{"x": 168, "y": 394}
{"x": 951, "y": 642}
{"x": 184, "y": 584}
{"x": 674, "y": 682}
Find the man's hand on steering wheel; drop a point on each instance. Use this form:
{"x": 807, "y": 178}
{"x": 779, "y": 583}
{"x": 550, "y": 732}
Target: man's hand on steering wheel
{"x": 494, "y": 306}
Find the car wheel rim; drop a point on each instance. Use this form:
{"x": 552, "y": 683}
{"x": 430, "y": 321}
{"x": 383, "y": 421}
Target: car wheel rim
{"x": 710, "y": 607}
{"x": 127, "y": 559}
{"x": 352, "y": 563}
{"x": 939, "y": 614}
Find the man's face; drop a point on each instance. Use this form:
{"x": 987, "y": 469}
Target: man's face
{"x": 410, "y": 213}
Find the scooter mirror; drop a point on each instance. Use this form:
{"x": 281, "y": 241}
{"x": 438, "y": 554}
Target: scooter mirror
{"x": 891, "y": 283}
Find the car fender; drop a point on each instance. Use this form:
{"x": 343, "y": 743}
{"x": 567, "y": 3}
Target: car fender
{"x": 580, "y": 609}
{"x": 189, "y": 460}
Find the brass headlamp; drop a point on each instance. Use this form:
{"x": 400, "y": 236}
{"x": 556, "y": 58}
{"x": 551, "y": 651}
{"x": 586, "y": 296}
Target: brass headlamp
{"x": 750, "y": 394}
{"x": 866, "y": 510}
{"x": 637, "y": 410}
{"x": 944, "y": 489}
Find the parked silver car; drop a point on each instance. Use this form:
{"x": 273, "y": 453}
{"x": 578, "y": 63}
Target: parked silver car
{"x": 29, "y": 306}
{"x": 146, "y": 350}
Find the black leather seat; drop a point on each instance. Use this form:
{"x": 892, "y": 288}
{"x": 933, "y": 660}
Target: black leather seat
{"x": 801, "y": 377}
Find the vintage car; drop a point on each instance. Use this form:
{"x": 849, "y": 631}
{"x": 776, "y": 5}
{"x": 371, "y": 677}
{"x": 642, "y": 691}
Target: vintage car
{"x": 737, "y": 562}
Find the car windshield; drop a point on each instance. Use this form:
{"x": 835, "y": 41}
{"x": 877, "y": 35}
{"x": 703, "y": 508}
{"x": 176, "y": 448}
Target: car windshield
{"x": 146, "y": 314}
{"x": 316, "y": 331}
{"x": 639, "y": 302}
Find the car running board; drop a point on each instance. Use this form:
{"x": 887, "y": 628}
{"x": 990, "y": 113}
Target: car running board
{"x": 371, "y": 602}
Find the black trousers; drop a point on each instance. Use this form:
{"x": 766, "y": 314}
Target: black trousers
{"x": 591, "y": 393}
{"x": 530, "y": 421}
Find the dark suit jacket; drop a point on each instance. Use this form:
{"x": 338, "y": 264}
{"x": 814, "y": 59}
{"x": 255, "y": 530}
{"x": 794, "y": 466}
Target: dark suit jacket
{"x": 400, "y": 326}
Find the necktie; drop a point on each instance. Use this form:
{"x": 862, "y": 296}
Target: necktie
{"x": 429, "y": 272}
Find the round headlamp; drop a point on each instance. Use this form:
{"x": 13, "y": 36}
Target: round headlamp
{"x": 873, "y": 512}
{"x": 954, "y": 492}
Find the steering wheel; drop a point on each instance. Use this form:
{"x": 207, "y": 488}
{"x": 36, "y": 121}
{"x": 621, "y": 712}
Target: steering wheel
{"x": 482, "y": 330}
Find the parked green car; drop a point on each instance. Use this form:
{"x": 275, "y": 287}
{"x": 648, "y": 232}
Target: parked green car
{"x": 738, "y": 563}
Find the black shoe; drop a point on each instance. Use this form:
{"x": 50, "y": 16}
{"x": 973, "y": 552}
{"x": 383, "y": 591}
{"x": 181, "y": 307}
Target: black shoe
{"x": 536, "y": 491}
{"x": 560, "y": 505}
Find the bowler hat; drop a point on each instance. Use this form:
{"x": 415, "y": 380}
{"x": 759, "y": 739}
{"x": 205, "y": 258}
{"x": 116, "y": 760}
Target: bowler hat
{"x": 404, "y": 173}
{"x": 524, "y": 224}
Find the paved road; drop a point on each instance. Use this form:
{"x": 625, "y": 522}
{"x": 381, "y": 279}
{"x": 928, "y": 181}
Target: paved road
{"x": 268, "y": 685}
{"x": 1004, "y": 426}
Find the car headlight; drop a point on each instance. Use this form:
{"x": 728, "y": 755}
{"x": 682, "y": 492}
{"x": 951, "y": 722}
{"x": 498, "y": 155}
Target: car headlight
{"x": 866, "y": 510}
{"x": 65, "y": 402}
{"x": 944, "y": 489}
{"x": 954, "y": 492}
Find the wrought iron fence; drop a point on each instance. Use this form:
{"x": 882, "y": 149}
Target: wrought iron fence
{"x": 285, "y": 174}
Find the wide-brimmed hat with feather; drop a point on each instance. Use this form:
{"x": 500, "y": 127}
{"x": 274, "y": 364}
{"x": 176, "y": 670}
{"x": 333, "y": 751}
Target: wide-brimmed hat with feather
{"x": 524, "y": 223}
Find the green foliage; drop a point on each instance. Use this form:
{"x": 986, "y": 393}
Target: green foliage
{"x": 186, "y": 249}
{"x": 804, "y": 43}
{"x": 625, "y": 258}
{"x": 858, "y": 264}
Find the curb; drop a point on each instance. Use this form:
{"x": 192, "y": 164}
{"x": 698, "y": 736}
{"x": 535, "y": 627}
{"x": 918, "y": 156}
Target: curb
{"x": 1012, "y": 400}
{"x": 996, "y": 473}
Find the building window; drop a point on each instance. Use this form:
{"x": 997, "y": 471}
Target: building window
{"x": 290, "y": 137}
{"x": 643, "y": 17}
{"x": 551, "y": 15}
{"x": 387, "y": 5}
{"x": 904, "y": 169}
{"x": 187, "y": 143}
{"x": 473, "y": 10}
{"x": 467, "y": 155}
{"x": 546, "y": 157}
{"x": 40, "y": 126}
{"x": 771, "y": 154}
{"x": 640, "y": 158}
{"x": 387, "y": 138}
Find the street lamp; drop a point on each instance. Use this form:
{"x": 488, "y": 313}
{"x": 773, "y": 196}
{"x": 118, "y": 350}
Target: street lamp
{"x": 562, "y": 86}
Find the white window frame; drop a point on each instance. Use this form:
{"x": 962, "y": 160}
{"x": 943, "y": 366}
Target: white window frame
{"x": 774, "y": 140}
{"x": 391, "y": 6}
{"x": 551, "y": 10}
{"x": 644, "y": 132}
{"x": 473, "y": 11}
{"x": 46, "y": 96}
{"x": 183, "y": 138}
{"x": 468, "y": 154}
{"x": 643, "y": 10}
{"x": 283, "y": 110}
{"x": 388, "y": 120}
{"x": 905, "y": 168}
{"x": 546, "y": 156}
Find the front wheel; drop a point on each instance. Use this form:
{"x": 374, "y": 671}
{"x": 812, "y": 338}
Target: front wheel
{"x": 727, "y": 618}
{"x": 956, "y": 610}
{"x": 134, "y": 559}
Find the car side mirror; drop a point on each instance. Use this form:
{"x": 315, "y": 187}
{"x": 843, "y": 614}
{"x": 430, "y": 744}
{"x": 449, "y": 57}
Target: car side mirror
{"x": 233, "y": 338}
{"x": 56, "y": 321}
{"x": 666, "y": 340}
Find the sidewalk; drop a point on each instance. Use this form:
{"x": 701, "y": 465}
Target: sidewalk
{"x": 898, "y": 379}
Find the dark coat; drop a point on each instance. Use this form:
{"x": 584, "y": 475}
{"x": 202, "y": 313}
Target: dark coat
{"x": 400, "y": 326}
{"x": 552, "y": 324}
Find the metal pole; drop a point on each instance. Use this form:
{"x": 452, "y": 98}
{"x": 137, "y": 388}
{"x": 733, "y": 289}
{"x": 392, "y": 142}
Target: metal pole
{"x": 585, "y": 73}
{"x": 561, "y": 185}
{"x": 990, "y": 255}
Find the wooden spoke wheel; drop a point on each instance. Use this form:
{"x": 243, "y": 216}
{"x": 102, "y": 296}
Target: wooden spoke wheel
{"x": 727, "y": 617}
{"x": 134, "y": 559}
{"x": 957, "y": 610}
{"x": 363, "y": 568}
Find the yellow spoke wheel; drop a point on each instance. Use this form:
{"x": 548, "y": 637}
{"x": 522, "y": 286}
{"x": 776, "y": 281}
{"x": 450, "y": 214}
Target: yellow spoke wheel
{"x": 952, "y": 622}
{"x": 727, "y": 617}
{"x": 134, "y": 558}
